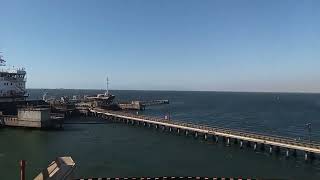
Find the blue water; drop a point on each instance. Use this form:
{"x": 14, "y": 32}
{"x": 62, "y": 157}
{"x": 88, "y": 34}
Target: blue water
{"x": 112, "y": 149}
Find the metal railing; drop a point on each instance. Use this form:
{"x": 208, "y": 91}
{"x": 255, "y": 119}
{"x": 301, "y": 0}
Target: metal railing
{"x": 216, "y": 129}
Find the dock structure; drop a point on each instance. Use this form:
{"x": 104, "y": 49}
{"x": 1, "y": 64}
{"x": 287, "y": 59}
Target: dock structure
{"x": 141, "y": 105}
{"x": 133, "y": 105}
{"x": 271, "y": 143}
{"x": 155, "y": 102}
{"x": 34, "y": 117}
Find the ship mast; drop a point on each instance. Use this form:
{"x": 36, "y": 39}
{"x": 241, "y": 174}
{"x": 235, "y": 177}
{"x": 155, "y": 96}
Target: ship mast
{"x": 107, "y": 90}
{"x": 2, "y": 61}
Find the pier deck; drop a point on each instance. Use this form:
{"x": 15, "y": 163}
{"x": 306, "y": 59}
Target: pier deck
{"x": 227, "y": 134}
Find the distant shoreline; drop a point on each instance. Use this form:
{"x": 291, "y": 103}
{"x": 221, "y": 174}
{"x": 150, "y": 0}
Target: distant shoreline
{"x": 254, "y": 92}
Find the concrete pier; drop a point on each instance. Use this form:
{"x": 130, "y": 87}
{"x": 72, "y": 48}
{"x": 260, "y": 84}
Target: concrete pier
{"x": 33, "y": 117}
{"x": 274, "y": 143}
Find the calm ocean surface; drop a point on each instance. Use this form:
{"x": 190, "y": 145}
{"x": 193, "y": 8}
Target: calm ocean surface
{"x": 112, "y": 149}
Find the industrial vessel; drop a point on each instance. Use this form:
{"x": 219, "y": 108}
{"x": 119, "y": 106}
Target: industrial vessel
{"x": 12, "y": 83}
{"x": 13, "y": 91}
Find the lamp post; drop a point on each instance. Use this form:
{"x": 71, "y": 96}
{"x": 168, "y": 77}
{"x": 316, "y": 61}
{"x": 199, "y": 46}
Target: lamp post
{"x": 309, "y": 131}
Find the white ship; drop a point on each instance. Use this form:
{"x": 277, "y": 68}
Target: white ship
{"x": 12, "y": 83}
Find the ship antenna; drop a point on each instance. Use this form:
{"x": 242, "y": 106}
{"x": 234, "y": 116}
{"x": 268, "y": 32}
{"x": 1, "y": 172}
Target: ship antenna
{"x": 107, "y": 92}
{"x": 2, "y": 61}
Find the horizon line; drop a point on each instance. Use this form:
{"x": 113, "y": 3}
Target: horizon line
{"x": 229, "y": 91}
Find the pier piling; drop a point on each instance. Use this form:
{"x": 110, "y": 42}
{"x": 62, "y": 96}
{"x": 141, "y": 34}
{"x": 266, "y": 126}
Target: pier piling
{"x": 244, "y": 138}
{"x": 270, "y": 150}
{"x": 306, "y": 156}
{"x": 216, "y": 139}
{"x": 241, "y": 144}
{"x": 287, "y": 153}
{"x": 255, "y": 146}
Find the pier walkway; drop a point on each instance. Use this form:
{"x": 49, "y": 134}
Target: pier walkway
{"x": 272, "y": 142}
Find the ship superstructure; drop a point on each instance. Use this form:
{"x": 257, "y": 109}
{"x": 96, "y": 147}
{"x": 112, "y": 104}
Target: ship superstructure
{"x": 12, "y": 83}
{"x": 103, "y": 99}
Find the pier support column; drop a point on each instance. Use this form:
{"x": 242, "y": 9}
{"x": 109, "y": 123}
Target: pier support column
{"x": 178, "y": 130}
{"x": 216, "y": 138}
{"x": 306, "y": 156}
{"x": 287, "y": 153}
{"x": 270, "y": 150}
{"x": 196, "y": 134}
{"x": 144, "y": 124}
{"x": 241, "y": 144}
{"x": 149, "y": 125}
{"x": 255, "y": 146}
{"x": 205, "y": 136}
{"x": 156, "y": 126}
{"x": 186, "y": 132}
{"x": 163, "y": 128}
{"x": 170, "y": 129}
{"x": 228, "y": 141}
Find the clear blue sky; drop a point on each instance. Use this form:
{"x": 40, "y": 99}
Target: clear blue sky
{"x": 240, "y": 45}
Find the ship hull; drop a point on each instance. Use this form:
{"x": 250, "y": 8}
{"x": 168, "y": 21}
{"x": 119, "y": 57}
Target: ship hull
{"x": 11, "y": 108}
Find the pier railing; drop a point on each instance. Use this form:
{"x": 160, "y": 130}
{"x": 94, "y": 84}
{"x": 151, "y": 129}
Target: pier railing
{"x": 215, "y": 129}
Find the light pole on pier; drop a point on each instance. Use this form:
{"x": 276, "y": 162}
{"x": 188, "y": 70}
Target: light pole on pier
{"x": 309, "y": 131}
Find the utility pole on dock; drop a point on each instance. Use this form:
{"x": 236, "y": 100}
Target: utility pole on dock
{"x": 309, "y": 131}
